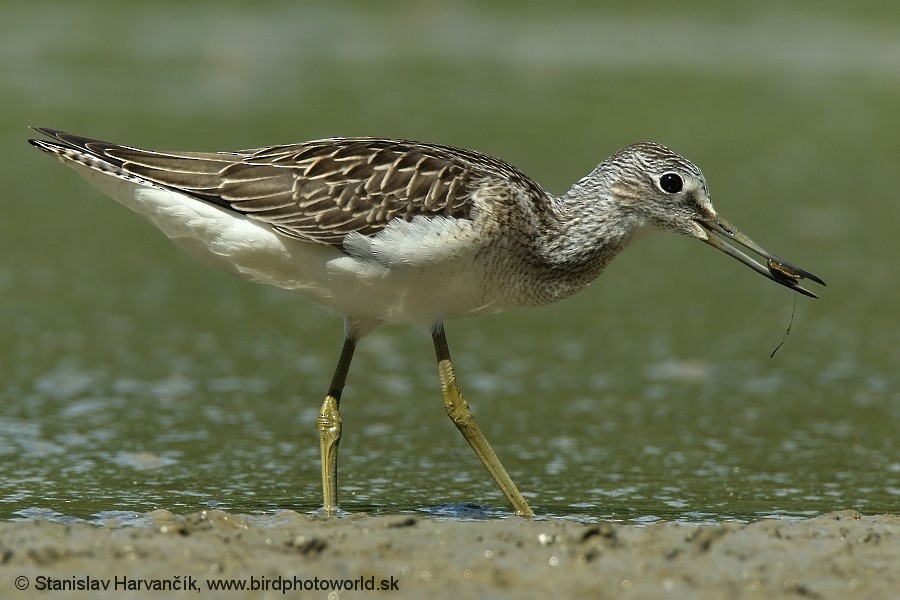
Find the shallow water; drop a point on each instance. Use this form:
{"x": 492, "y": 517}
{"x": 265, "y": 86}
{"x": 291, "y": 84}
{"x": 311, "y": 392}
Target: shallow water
{"x": 132, "y": 378}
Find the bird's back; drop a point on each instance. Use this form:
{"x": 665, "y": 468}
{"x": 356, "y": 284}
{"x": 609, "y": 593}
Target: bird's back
{"x": 319, "y": 191}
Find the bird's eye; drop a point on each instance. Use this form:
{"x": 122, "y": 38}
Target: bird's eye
{"x": 671, "y": 183}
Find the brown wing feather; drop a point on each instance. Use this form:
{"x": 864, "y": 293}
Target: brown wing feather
{"x": 322, "y": 190}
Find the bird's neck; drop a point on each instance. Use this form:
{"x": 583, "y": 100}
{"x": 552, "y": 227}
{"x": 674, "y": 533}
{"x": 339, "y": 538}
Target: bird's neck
{"x": 580, "y": 234}
{"x": 591, "y": 228}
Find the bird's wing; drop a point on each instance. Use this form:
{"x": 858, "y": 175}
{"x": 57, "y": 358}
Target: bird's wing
{"x": 319, "y": 191}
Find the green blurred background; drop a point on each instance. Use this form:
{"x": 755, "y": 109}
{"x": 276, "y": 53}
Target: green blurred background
{"x": 132, "y": 378}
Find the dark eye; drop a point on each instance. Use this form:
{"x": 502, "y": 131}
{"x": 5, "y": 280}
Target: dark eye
{"x": 671, "y": 182}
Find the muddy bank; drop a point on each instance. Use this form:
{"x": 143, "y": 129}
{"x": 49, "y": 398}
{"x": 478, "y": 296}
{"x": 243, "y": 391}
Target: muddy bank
{"x": 839, "y": 555}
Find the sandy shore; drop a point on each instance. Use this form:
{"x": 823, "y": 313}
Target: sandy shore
{"x": 839, "y": 555}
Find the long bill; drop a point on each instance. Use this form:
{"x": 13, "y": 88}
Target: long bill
{"x": 776, "y": 269}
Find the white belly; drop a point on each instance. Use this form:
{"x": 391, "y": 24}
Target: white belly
{"x": 420, "y": 272}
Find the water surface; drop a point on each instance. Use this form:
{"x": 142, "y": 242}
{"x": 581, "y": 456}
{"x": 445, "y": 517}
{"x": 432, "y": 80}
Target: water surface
{"x": 132, "y": 378}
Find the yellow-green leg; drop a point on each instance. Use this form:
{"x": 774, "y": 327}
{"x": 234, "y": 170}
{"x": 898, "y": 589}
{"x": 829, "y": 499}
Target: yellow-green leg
{"x": 329, "y": 424}
{"x": 458, "y": 410}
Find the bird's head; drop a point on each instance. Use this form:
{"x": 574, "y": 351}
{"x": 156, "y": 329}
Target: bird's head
{"x": 670, "y": 194}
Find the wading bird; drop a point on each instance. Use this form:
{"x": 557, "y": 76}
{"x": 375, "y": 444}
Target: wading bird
{"x": 394, "y": 231}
